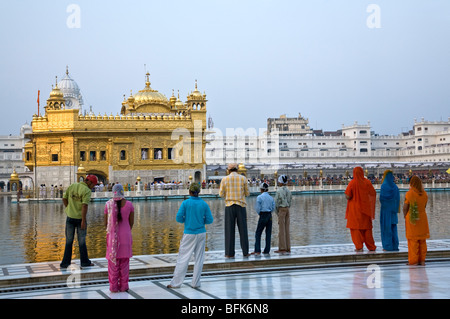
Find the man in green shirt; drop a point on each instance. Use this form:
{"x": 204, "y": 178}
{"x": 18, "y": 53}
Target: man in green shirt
{"x": 283, "y": 199}
{"x": 76, "y": 200}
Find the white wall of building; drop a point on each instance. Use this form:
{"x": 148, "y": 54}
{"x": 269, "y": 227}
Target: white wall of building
{"x": 11, "y": 157}
{"x": 428, "y": 142}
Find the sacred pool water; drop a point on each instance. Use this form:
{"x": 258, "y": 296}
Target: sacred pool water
{"x": 34, "y": 232}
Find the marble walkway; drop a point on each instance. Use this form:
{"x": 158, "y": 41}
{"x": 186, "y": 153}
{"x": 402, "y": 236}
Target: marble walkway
{"x": 311, "y": 272}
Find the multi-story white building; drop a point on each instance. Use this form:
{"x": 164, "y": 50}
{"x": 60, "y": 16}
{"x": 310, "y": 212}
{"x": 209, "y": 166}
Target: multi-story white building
{"x": 426, "y": 147}
{"x": 426, "y": 142}
{"x": 11, "y": 157}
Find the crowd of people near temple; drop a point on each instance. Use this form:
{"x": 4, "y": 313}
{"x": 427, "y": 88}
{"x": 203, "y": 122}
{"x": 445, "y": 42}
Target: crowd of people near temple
{"x": 56, "y": 191}
{"x": 436, "y": 177}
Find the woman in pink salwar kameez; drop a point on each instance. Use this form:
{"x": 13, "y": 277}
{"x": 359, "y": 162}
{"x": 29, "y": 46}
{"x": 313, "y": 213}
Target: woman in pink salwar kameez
{"x": 119, "y": 220}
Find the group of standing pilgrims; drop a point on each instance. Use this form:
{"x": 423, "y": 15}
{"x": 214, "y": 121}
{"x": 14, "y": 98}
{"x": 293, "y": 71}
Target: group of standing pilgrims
{"x": 195, "y": 213}
{"x": 360, "y": 212}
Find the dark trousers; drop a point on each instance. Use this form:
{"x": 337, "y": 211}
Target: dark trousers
{"x": 235, "y": 214}
{"x": 73, "y": 224}
{"x": 265, "y": 221}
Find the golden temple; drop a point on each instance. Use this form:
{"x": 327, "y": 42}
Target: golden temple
{"x": 153, "y": 137}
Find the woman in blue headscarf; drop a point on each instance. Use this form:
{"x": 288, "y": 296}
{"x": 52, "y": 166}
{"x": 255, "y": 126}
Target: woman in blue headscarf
{"x": 390, "y": 203}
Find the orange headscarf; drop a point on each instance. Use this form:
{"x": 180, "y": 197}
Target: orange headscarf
{"x": 417, "y": 198}
{"x": 416, "y": 184}
{"x": 364, "y": 193}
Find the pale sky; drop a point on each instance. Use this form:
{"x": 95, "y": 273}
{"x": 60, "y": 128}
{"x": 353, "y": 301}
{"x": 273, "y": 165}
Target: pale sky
{"x": 254, "y": 59}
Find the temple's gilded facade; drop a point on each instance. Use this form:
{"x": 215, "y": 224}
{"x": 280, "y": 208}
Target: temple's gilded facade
{"x": 151, "y": 137}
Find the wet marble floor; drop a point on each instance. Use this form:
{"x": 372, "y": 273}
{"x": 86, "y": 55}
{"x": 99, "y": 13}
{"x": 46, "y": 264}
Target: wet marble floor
{"x": 309, "y": 272}
{"x": 374, "y": 281}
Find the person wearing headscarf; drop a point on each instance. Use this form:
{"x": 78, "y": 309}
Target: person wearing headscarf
{"x": 416, "y": 222}
{"x": 119, "y": 220}
{"x": 390, "y": 205}
{"x": 360, "y": 212}
{"x": 195, "y": 213}
{"x": 283, "y": 198}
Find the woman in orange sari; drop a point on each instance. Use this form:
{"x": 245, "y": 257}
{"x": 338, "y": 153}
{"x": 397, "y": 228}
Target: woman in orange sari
{"x": 361, "y": 197}
{"x": 416, "y": 222}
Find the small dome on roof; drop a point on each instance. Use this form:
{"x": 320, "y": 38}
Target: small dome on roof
{"x": 149, "y": 96}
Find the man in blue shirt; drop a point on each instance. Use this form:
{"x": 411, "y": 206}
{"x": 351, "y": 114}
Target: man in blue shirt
{"x": 264, "y": 206}
{"x": 194, "y": 213}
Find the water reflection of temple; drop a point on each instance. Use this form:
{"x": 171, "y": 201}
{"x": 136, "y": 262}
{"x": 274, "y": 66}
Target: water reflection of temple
{"x": 151, "y": 137}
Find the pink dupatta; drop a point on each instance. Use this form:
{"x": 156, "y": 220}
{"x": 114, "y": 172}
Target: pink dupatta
{"x": 112, "y": 231}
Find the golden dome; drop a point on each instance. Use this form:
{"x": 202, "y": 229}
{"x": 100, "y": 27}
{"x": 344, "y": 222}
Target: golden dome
{"x": 242, "y": 170}
{"x": 14, "y": 175}
{"x": 56, "y": 93}
{"x": 56, "y": 99}
{"x": 179, "y": 104}
{"x": 131, "y": 97}
{"x": 81, "y": 169}
{"x": 196, "y": 94}
{"x": 149, "y": 96}
{"x": 173, "y": 99}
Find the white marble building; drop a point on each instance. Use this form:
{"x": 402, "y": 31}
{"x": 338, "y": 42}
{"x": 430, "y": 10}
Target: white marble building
{"x": 11, "y": 157}
{"x": 291, "y": 143}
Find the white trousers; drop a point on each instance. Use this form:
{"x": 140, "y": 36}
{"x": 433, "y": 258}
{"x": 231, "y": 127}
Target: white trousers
{"x": 190, "y": 244}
